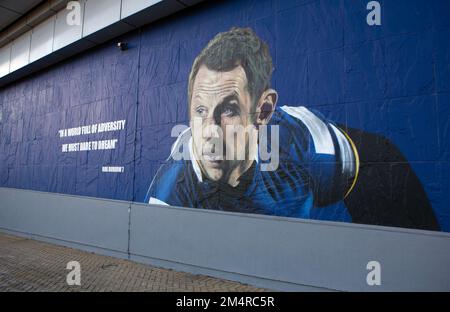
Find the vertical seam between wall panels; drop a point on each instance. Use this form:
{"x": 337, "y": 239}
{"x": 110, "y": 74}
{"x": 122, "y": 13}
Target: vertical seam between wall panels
{"x": 129, "y": 231}
{"x": 136, "y": 113}
{"x": 29, "y": 47}
{"x": 82, "y": 22}
{"x": 120, "y": 11}
{"x": 133, "y": 198}
{"x": 54, "y": 32}
{"x": 10, "y": 56}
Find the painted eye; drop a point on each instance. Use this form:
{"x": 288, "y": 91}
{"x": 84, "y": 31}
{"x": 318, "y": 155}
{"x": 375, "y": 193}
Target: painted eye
{"x": 201, "y": 111}
{"x": 228, "y": 112}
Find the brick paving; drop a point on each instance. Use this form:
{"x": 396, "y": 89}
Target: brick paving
{"x": 30, "y": 265}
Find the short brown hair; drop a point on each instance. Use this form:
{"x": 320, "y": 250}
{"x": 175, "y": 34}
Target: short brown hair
{"x": 238, "y": 46}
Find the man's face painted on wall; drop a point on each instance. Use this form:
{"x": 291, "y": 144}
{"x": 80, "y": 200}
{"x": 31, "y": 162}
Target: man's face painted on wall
{"x": 221, "y": 99}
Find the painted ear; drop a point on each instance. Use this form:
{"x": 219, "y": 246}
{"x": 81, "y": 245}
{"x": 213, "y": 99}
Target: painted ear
{"x": 266, "y": 111}
{"x": 266, "y": 106}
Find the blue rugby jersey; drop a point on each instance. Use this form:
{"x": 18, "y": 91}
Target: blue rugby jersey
{"x": 317, "y": 166}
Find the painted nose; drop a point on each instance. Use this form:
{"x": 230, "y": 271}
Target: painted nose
{"x": 211, "y": 129}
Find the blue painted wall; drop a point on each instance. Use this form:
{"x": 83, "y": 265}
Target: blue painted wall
{"x": 391, "y": 80}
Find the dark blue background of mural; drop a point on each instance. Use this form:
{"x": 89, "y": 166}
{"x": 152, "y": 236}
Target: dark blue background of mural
{"x": 392, "y": 80}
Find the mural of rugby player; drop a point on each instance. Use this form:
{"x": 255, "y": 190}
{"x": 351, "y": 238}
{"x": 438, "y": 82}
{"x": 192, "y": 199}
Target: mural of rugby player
{"x": 314, "y": 163}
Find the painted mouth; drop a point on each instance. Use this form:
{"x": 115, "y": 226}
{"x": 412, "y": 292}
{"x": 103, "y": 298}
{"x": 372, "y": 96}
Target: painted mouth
{"x": 209, "y": 154}
{"x": 212, "y": 158}
{"x": 213, "y": 161}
